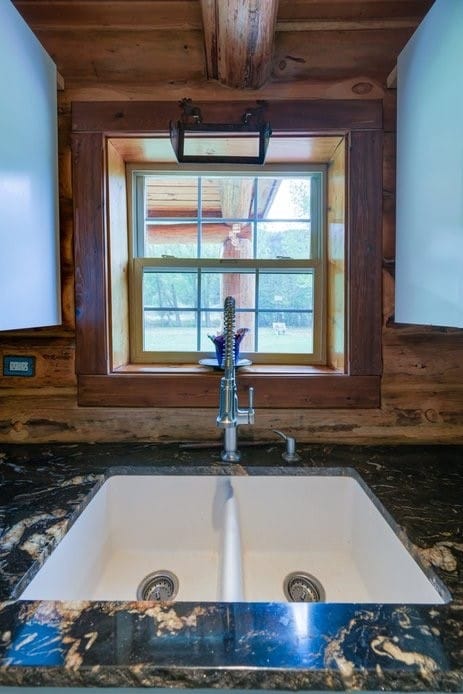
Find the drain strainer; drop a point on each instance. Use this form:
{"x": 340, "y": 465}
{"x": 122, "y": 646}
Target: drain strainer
{"x": 159, "y": 585}
{"x": 300, "y": 586}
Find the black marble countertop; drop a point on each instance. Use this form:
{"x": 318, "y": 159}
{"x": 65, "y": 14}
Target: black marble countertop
{"x": 43, "y": 489}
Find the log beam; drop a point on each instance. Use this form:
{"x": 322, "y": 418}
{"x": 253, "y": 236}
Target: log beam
{"x": 186, "y": 233}
{"x": 238, "y": 40}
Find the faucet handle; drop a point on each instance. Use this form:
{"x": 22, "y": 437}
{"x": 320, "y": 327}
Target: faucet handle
{"x": 289, "y": 454}
{"x": 251, "y": 405}
{"x": 248, "y": 412}
{"x": 246, "y": 415}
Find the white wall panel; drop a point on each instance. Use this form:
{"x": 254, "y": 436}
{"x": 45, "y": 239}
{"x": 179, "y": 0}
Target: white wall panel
{"x": 429, "y": 249}
{"x": 29, "y": 241}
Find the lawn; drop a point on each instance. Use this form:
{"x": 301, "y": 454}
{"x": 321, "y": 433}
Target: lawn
{"x": 181, "y": 339}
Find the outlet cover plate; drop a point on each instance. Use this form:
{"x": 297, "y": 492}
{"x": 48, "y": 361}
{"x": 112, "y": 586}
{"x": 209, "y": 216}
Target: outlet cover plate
{"x": 14, "y": 365}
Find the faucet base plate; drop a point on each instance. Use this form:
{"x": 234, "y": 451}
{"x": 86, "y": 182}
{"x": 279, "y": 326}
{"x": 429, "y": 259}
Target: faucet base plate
{"x": 230, "y": 456}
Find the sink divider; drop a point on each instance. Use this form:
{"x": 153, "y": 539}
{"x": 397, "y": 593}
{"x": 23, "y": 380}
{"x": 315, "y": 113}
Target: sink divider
{"x": 231, "y": 587}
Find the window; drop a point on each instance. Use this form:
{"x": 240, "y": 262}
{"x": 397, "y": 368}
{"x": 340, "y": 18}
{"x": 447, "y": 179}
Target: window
{"x": 107, "y": 136}
{"x": 199, "y": 237}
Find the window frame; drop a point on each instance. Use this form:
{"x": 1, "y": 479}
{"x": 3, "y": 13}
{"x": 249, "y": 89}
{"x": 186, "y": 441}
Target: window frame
{"x": 357, "y": 385}
{"x": 138, "y": 263}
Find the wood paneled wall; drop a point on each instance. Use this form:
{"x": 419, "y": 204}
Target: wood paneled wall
{"x": 422, "y": 386}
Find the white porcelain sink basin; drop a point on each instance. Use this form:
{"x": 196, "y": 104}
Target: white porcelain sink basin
{"x": 234, "y": 539}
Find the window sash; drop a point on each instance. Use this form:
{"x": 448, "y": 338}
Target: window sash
{"x": 138, "y": 176}
{"x": 141, "y": 265}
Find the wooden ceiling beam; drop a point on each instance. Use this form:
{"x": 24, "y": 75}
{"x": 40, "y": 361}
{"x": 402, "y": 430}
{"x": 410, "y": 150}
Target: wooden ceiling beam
{"x": 236, "y": 197}
{"x": 238, "y": 40}
{"x": 212, "y": 232}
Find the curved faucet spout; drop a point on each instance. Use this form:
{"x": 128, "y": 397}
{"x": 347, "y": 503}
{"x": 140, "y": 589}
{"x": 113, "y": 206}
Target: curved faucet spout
{"x": 230, "y": 415}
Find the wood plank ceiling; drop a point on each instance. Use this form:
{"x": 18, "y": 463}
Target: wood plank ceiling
{"x": 243, "y": 44}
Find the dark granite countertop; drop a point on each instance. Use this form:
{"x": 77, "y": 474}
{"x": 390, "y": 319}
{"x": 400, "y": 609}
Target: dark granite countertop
{"x": 43, "y": 489}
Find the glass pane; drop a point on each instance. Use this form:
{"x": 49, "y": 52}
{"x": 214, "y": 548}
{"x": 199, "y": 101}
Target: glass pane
{"x": 215, "y": 286}
{"x": 284, "y": 198}
{"x": 223, "y": 240}
{"x": 169, "y": 331}
{"x": 286, "y": 332}
{"x": 226, "y": 240}
{"x": 283, "y": 291}
{"x": 211, "y": 324}
{"x": 220, "y": 145}
{"x": 211, "y": 205}
{"x": 285, "y": 317}
{"x": 228, "y": 197}
{"x": 169, "y": 290}
{"x": 171, "y": 196}
{"x": 284, "y": 240}
{"x": 211, "y": 291}
{"x": 171, "y": 239}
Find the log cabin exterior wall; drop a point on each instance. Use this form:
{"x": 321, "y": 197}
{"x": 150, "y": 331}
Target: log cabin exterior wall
{"x": 422, "y": 381}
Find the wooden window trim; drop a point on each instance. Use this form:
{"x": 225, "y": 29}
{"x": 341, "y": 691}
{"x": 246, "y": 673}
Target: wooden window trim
{"x": 357, "y": 386}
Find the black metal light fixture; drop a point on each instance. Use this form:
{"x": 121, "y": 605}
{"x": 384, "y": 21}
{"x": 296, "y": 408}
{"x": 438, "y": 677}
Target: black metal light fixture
{"x": 197, "y": 142}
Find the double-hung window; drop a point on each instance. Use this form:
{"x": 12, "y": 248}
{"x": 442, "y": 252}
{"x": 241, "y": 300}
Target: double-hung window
{"x": 200, "y": 236}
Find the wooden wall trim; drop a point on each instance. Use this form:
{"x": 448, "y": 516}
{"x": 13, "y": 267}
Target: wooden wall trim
{"x": 88, "y": 160}
{"x": 364, "y": 315}
{"x": 365, "y": 253}
{"x": 149, "y": 117}
{"x": 202, "y": 390}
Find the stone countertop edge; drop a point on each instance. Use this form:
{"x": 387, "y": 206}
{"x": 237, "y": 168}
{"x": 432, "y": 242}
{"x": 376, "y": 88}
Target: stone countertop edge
{"x": 278, "y": 646}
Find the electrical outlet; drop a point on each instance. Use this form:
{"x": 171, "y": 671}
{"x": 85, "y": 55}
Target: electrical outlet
{"x": 18, "y": 365}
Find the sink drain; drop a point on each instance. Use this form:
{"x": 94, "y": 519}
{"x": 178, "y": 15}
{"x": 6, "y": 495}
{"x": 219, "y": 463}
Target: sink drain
{"x": 159, "y": 585}
{"x": 300, "y": 586}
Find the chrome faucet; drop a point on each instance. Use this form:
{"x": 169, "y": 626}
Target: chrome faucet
{"x": 230, "y": 415}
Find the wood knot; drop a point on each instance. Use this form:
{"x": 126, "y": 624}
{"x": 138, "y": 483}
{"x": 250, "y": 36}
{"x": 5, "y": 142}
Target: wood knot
{"x": 19, "y": 431}
{"x": 431, "y": 415}
{"x": 362, "y": 87}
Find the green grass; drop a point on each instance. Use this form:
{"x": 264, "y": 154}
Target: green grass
{"x": 178, "y": 339}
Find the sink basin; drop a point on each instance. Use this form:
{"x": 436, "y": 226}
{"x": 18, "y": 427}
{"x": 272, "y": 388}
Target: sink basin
{"x": 236, "y": 539}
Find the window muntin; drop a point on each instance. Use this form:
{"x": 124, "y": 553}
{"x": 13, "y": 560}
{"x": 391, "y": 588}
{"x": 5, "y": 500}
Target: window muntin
{"x": 198, "y": 237}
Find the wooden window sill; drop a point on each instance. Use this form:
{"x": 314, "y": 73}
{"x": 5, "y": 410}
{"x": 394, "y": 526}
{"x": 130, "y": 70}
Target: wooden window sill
{"x": 174, "y": 369}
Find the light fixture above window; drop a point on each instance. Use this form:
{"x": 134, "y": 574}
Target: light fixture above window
{"x": 197, "y": 142}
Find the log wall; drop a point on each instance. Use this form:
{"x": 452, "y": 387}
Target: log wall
{"x": 422, "y": 384}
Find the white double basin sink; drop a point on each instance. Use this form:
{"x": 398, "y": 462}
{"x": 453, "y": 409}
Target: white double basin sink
{"x": 233, "y": 539}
